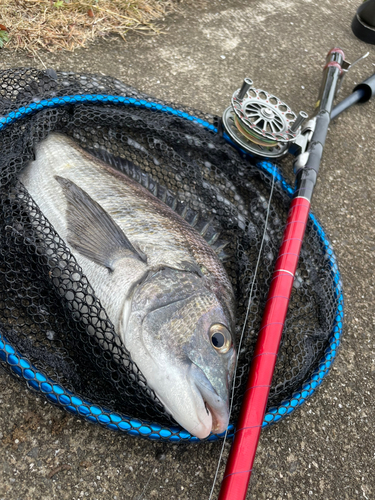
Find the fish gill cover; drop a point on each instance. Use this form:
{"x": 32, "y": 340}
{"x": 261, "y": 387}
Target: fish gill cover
{"x": 48, "y": 310}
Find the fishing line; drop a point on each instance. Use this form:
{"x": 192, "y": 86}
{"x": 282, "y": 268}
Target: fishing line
{"x": 146, "y": 485}
{"x": 244, "y": 326}
{"x": 239, "y": 344}
{"x": 162, "y": 467}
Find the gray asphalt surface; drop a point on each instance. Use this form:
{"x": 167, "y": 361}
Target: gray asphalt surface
{"x": 324, "y": 451}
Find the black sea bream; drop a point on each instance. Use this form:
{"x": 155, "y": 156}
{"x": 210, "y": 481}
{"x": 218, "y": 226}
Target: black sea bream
{"x": 163, "y": 287}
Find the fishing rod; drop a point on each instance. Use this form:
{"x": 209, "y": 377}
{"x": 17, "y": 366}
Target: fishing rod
{"x": 262, "y": 125}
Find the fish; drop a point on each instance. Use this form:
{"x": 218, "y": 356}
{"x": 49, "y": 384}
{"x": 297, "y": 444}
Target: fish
{"x": 162, "y": 285}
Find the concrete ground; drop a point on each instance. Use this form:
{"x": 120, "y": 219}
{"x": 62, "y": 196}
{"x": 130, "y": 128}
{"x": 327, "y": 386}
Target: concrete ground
{"x": 324, "y": 451}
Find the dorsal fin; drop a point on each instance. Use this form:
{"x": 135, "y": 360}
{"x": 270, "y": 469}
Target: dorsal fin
{"x": 205, "y": 227}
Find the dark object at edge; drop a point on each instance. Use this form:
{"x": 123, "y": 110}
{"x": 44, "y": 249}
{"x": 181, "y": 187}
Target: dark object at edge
{"x": 363, "y": 24}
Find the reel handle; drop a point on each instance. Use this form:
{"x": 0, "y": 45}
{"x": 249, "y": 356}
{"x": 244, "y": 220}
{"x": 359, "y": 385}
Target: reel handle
{"x": 241, "y": 458}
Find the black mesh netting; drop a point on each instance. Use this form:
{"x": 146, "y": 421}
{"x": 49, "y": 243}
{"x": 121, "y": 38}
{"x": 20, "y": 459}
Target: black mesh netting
{"x": 49, "y": 311}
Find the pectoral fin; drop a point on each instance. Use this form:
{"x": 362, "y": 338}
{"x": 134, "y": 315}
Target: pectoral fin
{"x": 92, "y": 231}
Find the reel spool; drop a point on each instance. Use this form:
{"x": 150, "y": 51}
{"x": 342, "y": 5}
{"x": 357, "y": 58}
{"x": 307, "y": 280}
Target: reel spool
{"x": 261, "y": 123}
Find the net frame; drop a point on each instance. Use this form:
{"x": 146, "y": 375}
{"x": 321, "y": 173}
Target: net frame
{"x": 58, "y": 395}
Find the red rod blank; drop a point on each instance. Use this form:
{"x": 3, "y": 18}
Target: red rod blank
{"x": 241, "y": 459}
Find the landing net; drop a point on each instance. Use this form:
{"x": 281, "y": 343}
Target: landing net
{"x": 54, "y": 334}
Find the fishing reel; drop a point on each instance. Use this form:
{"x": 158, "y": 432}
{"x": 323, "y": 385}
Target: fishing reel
{"x": 262, "y": 124}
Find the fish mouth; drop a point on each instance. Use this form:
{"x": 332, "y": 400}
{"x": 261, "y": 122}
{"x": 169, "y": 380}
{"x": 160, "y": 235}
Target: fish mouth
{"x": 194, "y": 403}
{"x": 217, "y": 410}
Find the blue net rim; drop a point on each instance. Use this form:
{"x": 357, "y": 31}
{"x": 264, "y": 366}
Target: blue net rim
{"x": 59, "y": 396}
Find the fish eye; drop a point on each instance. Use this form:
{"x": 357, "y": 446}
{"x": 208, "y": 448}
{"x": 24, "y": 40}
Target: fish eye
{"x": 221, "y": 338}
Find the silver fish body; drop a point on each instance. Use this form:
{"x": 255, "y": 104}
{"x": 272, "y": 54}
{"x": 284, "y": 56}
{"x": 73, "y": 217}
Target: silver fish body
{"x": 163, "y": 287}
